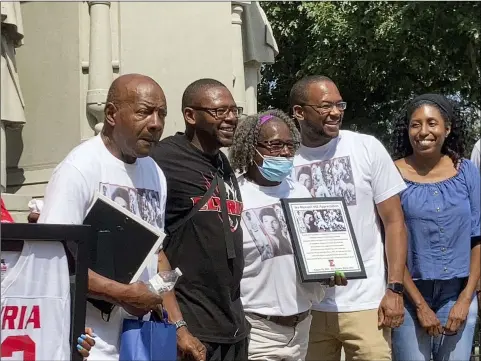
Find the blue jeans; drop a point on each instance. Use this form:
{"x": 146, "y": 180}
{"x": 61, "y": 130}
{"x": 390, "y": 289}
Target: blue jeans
{"x": 411, "y": 342}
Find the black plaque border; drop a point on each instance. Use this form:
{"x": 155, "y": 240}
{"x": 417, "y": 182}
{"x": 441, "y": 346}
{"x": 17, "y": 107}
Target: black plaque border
{"x": 301, "y": 266}
{"x": 77, "y": 236}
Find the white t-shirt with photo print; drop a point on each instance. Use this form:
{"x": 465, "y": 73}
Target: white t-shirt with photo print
{"x": 140, "y": 187}
{"x": 270, "y": 284}
{"x": 357, "y": 167}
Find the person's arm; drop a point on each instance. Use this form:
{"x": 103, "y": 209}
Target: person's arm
{"x": 135, "y": 298}
{"x": 392, "y": 218}
{"x": 188, "y": 345}
{"x": 412, "y": 291}
{"x": 102, "y": 288}
{"x": 459, "y": 312}
{"x": 186, "y": 342}
{"x": 169, "y": 299}
{"x": 474, "y": 273}
{"x": 426, "y": 316}
{"x": 473, "y": 178}
{"x": 387, "y": 183}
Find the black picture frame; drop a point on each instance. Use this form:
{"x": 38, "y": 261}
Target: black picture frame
{"x": 78, "y": 236}
{"x": 113, "y": 254}
{"x": 296, "y": 241}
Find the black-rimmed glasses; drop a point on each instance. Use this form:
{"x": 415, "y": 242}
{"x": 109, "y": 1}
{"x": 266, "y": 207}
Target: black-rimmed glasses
{"x": 327, "y": 107}
{"x": 221, "y": 113}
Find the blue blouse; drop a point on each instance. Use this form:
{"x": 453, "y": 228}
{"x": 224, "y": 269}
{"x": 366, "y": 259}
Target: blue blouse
{"x": 441, "y": 218}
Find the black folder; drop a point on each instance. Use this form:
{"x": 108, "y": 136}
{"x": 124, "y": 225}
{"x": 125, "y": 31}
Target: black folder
{"x": 124, "y": 246}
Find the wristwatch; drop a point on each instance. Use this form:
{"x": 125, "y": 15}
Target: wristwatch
{"x": 396, "y": 287}
{"x": 179, "y": 324}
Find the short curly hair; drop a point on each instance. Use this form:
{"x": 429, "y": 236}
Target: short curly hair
{"x": 268, "y": 212}
{"x": 453, "y": 145}
{"x": 242, "y": 151}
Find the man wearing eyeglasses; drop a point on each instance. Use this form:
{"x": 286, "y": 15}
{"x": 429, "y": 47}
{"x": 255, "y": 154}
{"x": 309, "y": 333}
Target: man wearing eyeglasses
{"x": 204, "y": 236}
{"x": 358, "y": 168}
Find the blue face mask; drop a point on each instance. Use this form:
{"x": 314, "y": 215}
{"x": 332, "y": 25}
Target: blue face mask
{"x": 275, "y": 169}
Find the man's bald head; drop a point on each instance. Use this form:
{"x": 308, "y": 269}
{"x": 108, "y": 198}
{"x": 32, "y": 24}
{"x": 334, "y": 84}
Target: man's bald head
{"x": 134, "y": 116}
{"x": 125, "y": 87}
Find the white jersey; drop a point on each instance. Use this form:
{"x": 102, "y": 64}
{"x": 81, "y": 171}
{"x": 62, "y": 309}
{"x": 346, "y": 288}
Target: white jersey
{"x": 35, "y": 303}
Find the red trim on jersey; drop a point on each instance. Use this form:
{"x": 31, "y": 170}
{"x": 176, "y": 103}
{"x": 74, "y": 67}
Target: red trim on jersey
{"x": 5, "y": 216}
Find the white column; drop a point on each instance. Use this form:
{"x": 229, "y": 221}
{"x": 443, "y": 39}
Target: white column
{"x": 100, "y": 62}
{"x": 238, "y": 55}
{"x": 252, "y": 69}
{"x": 3, "y": 158}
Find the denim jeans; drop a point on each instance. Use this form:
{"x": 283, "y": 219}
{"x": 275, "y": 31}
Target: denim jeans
{"x": 411, "y": 342}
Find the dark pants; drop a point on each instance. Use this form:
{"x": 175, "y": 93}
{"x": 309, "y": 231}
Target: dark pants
{"x": 226, "y": 352}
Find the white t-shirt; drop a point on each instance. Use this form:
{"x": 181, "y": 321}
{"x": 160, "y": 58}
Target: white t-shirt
{"x": 358, "y": 168}
{"x": 476, "y": 154}
{"x": 270, "y": 284}
{"x": 35, "y": 303}
{"x": 140, "y": 187}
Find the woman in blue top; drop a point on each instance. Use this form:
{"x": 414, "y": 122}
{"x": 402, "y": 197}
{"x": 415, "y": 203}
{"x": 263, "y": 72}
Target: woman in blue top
{"x": 442, "y": 210}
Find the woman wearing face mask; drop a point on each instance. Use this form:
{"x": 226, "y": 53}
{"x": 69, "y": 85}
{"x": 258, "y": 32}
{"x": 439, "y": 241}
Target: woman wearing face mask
{"x": 442, "y": 210}
{"x": 276, "y": 303}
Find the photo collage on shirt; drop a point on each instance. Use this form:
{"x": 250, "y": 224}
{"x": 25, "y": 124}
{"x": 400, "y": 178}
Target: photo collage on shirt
{"x": 320, "y": 220}
{"x": 268, "y": 229}
{"x": 141, "y": 202}
{"x": 330, "y": 178}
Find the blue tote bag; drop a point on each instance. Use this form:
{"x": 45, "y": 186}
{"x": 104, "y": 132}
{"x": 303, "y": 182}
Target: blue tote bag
{"x": 154, "y": 340}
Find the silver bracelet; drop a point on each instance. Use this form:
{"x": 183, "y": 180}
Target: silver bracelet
{"x": 179, "y": 324}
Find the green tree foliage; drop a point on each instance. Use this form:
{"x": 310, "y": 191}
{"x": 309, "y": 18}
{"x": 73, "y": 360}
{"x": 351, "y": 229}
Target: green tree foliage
{"x": 379, "y": 54}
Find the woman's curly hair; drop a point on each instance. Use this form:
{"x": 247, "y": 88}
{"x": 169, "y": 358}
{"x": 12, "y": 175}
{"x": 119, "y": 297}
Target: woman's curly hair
{"x": 242, "y": 151}
{"x": 453, "y": 145}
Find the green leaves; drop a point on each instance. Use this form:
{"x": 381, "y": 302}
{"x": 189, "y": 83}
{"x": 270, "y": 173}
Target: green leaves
{"x": 379, "y": 54}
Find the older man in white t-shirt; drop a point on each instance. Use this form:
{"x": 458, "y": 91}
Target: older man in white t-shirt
{"x": 116, "y": 163}
{"x": 357, "y": 167}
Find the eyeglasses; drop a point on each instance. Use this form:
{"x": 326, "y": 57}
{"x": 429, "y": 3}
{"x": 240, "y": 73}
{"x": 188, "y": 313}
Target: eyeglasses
{"x": 327, "y": 107}
{"x": 275, "y": 147}
{"x": 221, "y": 113}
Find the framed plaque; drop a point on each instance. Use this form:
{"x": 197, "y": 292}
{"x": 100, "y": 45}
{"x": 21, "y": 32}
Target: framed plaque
{"x": 322, "y": 238}
{"x": 124, "y": 244}
{"x": 13, "y": 235}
